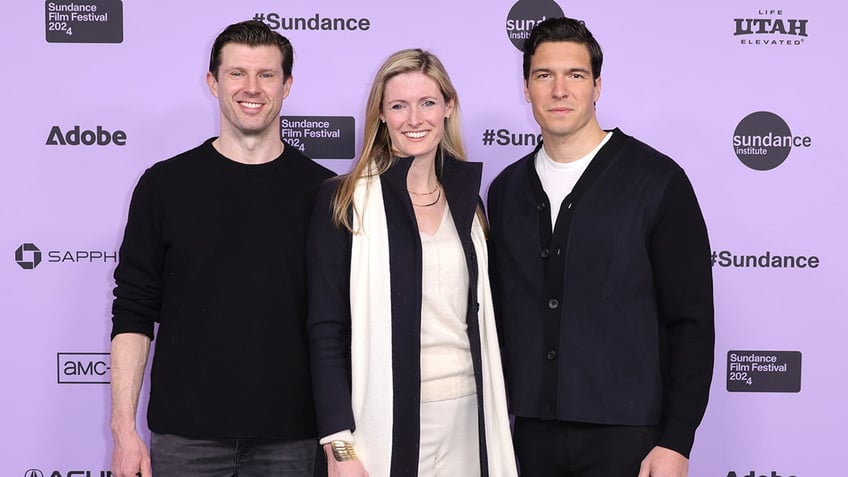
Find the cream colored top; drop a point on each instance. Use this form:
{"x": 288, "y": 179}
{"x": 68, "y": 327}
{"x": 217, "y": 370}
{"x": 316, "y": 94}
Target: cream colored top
{"x": 446, "y": 368}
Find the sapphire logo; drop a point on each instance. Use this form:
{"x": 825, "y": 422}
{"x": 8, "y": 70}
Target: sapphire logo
{"x": 762, "y": 141}
{"x": 771, "y": 27}
{"x": 524, "y": 15}
{"x": 33, "y": 473}
{"x": 28, "y": 256}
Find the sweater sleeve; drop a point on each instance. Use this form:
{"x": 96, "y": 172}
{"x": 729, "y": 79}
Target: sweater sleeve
{"x": 138, "y": 276}
{"x": 679, "y": 249}
{"x": 328, "y": 325}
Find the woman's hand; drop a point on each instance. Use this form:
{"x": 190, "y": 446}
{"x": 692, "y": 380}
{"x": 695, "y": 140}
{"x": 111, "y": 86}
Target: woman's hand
{"x": 345, "y": 468}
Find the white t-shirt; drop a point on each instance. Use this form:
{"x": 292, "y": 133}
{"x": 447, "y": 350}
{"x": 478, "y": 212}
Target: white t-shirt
{"x": 558, "y": 178}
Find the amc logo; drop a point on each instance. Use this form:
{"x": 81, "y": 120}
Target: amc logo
{"x": 83, "y": 368}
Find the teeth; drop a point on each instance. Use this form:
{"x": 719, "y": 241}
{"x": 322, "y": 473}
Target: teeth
{"x": 415, "y": 135}
{"x": 251, "y": 105}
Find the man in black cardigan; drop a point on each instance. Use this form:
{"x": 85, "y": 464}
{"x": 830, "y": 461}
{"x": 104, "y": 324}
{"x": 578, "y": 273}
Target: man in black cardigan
{"x": 602, "y": 282}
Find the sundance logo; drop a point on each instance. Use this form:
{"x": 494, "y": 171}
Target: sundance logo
{"x": 85, "y": 137}
{"x": 525, "y": 15}
{"x": 763, "y": 140}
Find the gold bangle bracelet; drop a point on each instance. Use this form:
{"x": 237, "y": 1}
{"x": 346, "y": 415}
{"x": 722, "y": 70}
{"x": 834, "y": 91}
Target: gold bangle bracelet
{"x": 342, "y": 451}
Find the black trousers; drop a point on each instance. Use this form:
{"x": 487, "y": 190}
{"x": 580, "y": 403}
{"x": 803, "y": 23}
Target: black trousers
{"x": 573, "y": 449}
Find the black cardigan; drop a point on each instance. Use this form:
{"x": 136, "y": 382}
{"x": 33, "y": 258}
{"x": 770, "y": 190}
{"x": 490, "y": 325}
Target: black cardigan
{"x": 609, "y": 318}
{"x": 328, "y": 260}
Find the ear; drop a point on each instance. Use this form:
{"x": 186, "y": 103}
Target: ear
{"x": 287, "y": 84}
{"x": 212, "y": 83}
{"x": 449, "y": 108}
{"x": 526, "y": 92}
{"x": 597, "y": 93}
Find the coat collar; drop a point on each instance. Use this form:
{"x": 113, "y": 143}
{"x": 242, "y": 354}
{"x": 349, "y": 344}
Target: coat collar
{"x": 460, "y": 180}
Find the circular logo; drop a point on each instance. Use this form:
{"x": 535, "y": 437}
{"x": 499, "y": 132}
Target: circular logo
{"x": 524, "y": 15}
{"x": 762, "y": 141}
{"x": 33, "y": 473}
{"x": 28, "y": 256}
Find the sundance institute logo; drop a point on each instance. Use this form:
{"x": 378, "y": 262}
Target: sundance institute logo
{"x": 524, "y": 15}
{"x": 762, "y": 141}
{"x": 28, "y": 256}
{"x": 33, "y": 473}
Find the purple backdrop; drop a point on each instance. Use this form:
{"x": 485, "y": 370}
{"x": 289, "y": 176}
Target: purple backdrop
{"x": 97, "y": 90}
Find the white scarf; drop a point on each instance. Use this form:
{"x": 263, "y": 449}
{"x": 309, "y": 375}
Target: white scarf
{"x": 371, "y": 342}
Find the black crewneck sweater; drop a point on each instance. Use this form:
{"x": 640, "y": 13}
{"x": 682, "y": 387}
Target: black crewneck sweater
{"x": 214, "y": 251}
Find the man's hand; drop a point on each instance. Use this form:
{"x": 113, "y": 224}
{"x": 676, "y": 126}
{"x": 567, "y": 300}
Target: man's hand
{"x": 130, "y": 456}
{"x": 662, "y": 462}
{"x": 347, "y": 468}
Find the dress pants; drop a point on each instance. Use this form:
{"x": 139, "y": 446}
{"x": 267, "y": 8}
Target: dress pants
{"x": 449, "y": 445}
{"x": 572, "y": 449}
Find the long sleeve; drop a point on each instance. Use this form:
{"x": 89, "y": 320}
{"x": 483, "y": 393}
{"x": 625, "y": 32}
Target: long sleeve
{"x": 328, "y": 275}
{"x": 138, "y": 276}
{"x": 679, "y": 249}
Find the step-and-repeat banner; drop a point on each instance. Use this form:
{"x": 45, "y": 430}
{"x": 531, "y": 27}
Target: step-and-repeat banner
{"x": 746, "y": 96}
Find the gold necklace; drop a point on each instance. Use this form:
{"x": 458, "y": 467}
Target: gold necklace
{"x": 425, "y": 193}
{"x": 431, "y": 203}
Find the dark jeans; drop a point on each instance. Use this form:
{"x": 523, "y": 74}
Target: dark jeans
{"x": 573, "y": 449}
{"x": 183, "y": 457}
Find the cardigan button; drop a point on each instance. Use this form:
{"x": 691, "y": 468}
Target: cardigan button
{"x": 545, "y": 253}
{"x": 551, "y": 355}
{"x": 540, "y": 206}
{"x": 553, "y": 303}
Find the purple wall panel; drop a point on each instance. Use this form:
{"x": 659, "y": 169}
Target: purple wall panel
{"x": 676, "y": 75}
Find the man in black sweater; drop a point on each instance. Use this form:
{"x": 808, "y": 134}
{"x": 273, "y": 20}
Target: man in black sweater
{"x": 602, "y": 283}
{"x": 214, "y": 252}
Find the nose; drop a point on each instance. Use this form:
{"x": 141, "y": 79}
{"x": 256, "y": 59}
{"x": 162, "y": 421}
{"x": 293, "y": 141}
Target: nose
{"x": 415, "y": 116}
{"x": 560, "y": 87}
{"x": 252, "y": 84}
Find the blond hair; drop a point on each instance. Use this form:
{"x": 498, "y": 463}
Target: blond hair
{"x": 376, "y": 156}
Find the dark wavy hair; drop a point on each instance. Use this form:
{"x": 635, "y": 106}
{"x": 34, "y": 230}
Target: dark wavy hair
{"x": 563, "y": 29}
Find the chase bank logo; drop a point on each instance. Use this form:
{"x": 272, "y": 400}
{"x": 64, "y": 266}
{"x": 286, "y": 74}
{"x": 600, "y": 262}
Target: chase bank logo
{"x": 524, "y": 15}
{"x": 28, "y": 257}
{"x": 33, "y": 473}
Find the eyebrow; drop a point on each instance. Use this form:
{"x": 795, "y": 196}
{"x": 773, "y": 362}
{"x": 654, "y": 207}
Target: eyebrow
{"x": 423, "y": 98}
{"x": 569, "y": 70}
